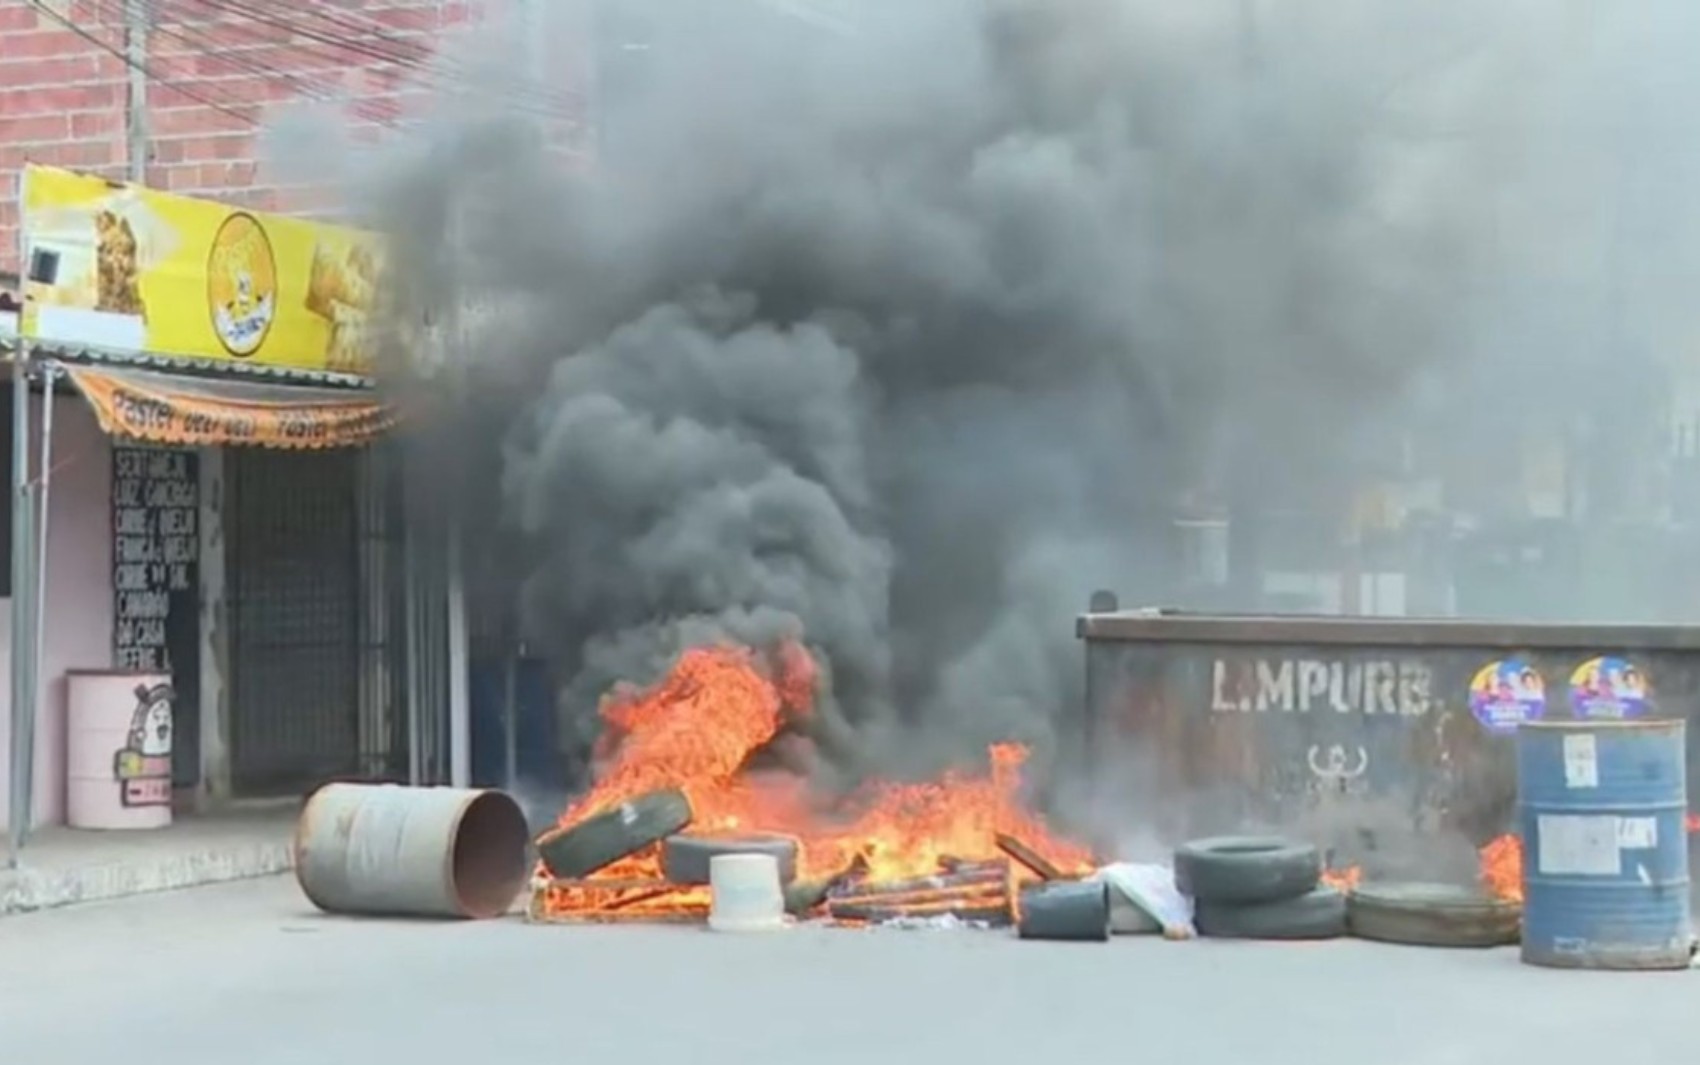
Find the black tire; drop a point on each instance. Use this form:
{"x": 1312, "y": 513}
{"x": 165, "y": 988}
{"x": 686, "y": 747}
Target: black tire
{"x": 1318, "y": 915}
{"x": 1432, "y": 915}
{"x": 1078, "y": 911}
{"x": 1246, "y": 869}
{"x": 603, "y": 839}
{"x": 685, "y": 859}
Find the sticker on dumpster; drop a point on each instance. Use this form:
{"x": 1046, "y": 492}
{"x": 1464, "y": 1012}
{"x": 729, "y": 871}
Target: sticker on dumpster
{"x": 1569, "y": 845}
{"x": 142, "y": 767}
{"x": 1608, "y": 688}
{"x": 1637, "y": 833}
{"x": 1506, "y": 693}
{"x": 1581, "y": 761}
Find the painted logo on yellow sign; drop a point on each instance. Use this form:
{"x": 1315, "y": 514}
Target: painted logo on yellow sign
{"x": 242, "y": 284}
{"x": 118, "y": 268}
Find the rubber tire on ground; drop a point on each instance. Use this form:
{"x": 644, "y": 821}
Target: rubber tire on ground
{"x": 685, "y": 859}
{"x": 1246, "y": 869}
{"x": 1432, "y": 915}
{"x": 1078, "y": 911}
{"x": 1319, "y": 915}
{"x": 603, "y": 839}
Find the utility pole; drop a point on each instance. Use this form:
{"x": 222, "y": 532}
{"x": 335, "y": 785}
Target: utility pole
{"x": 459, "y": 379}
{"x": 21, "y": 740}
{"x": 136, "y": 107}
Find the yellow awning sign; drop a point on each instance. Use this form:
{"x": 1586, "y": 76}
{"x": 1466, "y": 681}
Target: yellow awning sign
{"x": 125, "y": 268}
{"x": 176, "y": 411}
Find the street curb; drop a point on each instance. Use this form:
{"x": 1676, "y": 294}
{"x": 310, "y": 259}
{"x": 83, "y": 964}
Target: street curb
{"x": 28, "y": 891}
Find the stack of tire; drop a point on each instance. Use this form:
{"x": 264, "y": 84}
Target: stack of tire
{"x": 662, "y": 817}
{"x": 1254, "y": 887}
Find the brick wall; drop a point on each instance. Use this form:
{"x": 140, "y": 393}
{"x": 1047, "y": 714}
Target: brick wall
{"x": 59, "y": 99}
{"x": 215, "y": 73}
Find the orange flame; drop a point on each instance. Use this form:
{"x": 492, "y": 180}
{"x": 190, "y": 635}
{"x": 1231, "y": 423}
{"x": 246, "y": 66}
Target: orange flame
{"x": 697, "y": 729}
{"x": 1501, "y": 862}
{"x": 1501, "y": 865}
{"x": 1343, "y": 879}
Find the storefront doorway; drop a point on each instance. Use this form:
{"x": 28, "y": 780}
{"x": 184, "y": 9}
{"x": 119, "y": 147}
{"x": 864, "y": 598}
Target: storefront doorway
{"x": 293, "y": 604}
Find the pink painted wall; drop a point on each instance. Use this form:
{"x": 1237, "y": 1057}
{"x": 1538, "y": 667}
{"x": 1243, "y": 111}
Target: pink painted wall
{"x": 79, "y": 594}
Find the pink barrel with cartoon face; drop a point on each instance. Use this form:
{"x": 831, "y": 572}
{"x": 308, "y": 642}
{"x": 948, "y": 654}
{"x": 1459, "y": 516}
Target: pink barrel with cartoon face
{"x": 118, "y": 735}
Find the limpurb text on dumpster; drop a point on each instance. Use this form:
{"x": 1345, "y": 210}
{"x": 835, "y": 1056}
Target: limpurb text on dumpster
{"x": 1302, "y": 685}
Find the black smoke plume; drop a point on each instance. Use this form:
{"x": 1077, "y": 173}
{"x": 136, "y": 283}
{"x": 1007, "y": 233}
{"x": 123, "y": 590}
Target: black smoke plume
{"x": 904, "y": 332}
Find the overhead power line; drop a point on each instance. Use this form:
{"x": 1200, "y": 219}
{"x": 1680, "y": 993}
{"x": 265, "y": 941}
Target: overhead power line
{"x": 231, "y": 62}
{"x": 345, "y": 38}
{"x": 426, "y": 69}
{"x": 42, "y": 8}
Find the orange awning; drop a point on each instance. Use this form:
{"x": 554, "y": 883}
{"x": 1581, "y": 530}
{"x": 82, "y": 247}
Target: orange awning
{"x": 160, "y": 408}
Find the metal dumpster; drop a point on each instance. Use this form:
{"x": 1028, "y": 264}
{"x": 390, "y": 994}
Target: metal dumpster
{"x": 1392, "y": 735}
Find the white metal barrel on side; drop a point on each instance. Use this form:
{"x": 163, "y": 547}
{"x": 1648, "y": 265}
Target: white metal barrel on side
{"x": 383, "y": 849}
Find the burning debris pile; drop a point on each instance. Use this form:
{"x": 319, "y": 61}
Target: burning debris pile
{"x": 699, "y": 760}
{"x": 709, "y": 761}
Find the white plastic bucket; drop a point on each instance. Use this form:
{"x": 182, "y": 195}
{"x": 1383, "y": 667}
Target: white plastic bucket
{"x": 745, "y": 893}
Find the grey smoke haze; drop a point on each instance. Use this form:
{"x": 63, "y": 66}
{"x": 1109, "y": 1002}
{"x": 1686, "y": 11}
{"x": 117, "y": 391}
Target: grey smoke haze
{"x": 907, "y": 339}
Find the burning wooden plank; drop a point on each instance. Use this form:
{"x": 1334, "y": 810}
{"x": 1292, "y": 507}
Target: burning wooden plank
{"x": 981, "y": 903}
{"x": 957, "y": 866}
{"x": 1028, "y": 858}
{"x": 975, "y": 892}
{"x": 967, "y": 875}
{"x": 557, "y": 901}
{"x": 542, "y": 915}
{"x": 920, "y": 896}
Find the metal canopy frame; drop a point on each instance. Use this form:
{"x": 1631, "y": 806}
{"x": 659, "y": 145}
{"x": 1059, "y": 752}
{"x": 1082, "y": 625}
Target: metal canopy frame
{"x": 28, "y": 601}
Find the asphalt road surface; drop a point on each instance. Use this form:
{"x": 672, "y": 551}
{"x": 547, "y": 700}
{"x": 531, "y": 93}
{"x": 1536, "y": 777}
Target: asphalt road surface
{"x": 248, "y": 973}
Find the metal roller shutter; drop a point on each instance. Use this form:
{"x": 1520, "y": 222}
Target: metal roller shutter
{"x": 293, "y": 584}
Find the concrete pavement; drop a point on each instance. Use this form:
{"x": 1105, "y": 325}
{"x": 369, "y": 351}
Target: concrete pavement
{"x": 248, "y": 972}
{"x": 62, "y": 867}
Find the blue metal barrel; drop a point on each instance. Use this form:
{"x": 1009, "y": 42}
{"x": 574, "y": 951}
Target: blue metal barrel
{"x": 1605, "y": 864}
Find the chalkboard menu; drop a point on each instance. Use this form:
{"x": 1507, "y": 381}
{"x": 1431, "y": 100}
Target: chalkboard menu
{"x": 156, "y": 548}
